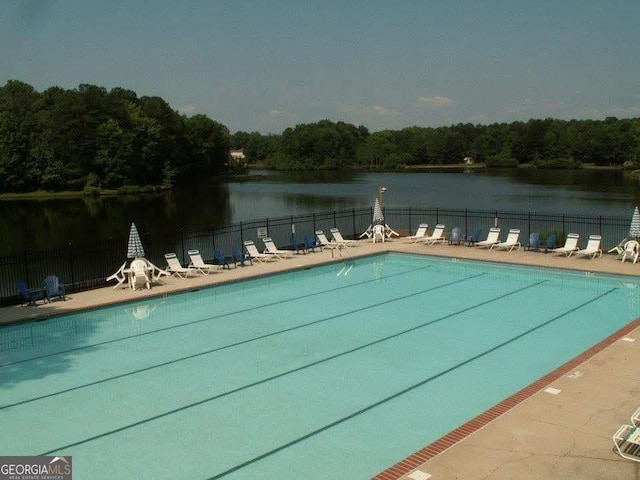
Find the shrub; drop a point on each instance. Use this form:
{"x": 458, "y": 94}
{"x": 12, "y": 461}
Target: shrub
{"x": 499, "y": 161}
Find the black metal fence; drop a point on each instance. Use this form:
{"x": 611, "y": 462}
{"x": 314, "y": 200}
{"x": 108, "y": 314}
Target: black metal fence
{"x": 86, "y": 266}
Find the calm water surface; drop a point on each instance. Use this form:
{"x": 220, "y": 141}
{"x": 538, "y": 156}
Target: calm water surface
{"x": 52, "y": 223}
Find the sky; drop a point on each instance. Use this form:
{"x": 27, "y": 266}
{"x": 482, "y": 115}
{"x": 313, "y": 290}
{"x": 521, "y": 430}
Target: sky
{"x": 266, "y": 65}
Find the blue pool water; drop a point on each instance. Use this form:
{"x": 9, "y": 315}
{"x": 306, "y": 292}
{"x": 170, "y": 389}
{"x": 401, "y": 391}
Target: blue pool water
{"x": 334, "y": 372}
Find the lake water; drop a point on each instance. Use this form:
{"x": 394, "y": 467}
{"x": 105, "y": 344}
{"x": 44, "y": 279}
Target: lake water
{"x": 38, "y": 224}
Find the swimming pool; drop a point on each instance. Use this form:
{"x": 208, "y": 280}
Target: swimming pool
{"x": 334, "y": 372}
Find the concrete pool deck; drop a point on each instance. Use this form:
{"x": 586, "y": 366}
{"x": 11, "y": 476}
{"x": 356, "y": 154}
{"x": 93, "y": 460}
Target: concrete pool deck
{"x": 535, "y": 435}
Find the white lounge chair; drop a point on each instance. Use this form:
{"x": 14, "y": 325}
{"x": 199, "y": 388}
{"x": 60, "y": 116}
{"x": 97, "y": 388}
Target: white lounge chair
{"x": 492, "y": 238}
{"x": 635, "y": 418}
{"x": 338, "y": 238}
{"x": 254, "y": 254}
{"x": 570, "y": 245}
{"x": 435, "y": 237}
{"x": 420, "y": 232}
{"x": 631, "y": 250}
{"x": 175, "y": 268}
{"x": 120, "y": 276}
{"x": 272, "y": 249}
{"x": 368, "y": 232}
{"x": 626, "y": 441}
{"x": 619, "y": 249}
{"x": 378, "y": 233}
{"x": 592, "y": 249}
{"x": 197, "y": 262}
{"x": 390, "y": 232}
{"x": 324, "y": 241}
{"x": 139, "y": 271}
{"x": 512, "y": 241}
{"x": 156, "y": 272}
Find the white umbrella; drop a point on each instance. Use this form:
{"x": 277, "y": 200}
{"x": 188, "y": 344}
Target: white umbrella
{"x": 378, "y": 217}
{"x": 634, "y": 228}
{"x": 134, "y": 248}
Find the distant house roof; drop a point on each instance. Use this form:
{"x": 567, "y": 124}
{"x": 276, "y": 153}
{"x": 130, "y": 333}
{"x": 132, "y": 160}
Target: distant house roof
{"x": 237, "y": 153}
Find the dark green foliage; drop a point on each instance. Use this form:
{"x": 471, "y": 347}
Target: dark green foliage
{"x": 322, "y": 145}
{"x": 545, "y": 143}
{"x": 88, "y": 139}
{"x": 499, "y": 161}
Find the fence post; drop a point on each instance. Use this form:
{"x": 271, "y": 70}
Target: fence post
{"x": 466, "y": 223}
{"x": 71, "y": 265}
{"x": 182, "y": 240}
{"x": 353, "y": 213}
{"x": 600, "y": 225}
{"x": 314, "y": 224}
{"x": 26, "y": 267}
{"x": 334, "y": 219}
{"x": 111, "y": 251}
{"x": 149, "y": 243}
{"x": 241, "y": 237}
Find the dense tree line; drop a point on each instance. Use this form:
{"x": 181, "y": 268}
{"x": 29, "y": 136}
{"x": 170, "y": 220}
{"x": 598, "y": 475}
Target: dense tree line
{"x": 539, "y": 143}
{"x": 93, "y": 139}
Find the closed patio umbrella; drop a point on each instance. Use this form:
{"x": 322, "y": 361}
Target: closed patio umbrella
{"x": 378, "y": 217}
{"x": 134, "y": 248}
{"x": 634, "y": 228}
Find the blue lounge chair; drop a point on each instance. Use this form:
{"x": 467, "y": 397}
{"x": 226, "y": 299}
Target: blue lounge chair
{"x": 456, "y": 236}
{"x": 221, "y": 259}
{"x": 311, "y": 244}
{"x": 30, "y": 297}
{"x": 296, "y": 246}
{"x": 534, "y": 241}
{"x": 54, "y": 288}
{"x": 551, "y": 242}
{"x": 475, "y": 238}
{"x": 239, "y": 257}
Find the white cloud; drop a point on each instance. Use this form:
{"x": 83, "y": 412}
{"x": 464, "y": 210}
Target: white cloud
{"x": 436, "y": 101}
{"x": 380, "y": 110}
{"x": 276, "y": 113}
{"x": 369, "y": 110}
{"x": 186, "y": 109}
{"x": 623, "y": 112}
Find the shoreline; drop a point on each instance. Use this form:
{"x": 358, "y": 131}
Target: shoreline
{"x": 158, "y": 189}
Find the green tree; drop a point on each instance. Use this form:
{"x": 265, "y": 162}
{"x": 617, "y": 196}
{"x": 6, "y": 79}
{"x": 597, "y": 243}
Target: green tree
{"x": 208, "y": 147}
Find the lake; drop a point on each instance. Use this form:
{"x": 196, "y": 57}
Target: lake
{"x": 41, "y": 224}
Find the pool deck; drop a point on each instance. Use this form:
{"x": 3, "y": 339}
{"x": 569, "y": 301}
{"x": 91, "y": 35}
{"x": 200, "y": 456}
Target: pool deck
{"x": 532, "y": 435}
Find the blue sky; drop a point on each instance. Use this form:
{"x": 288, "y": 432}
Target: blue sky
{"x": 267, "y": 65}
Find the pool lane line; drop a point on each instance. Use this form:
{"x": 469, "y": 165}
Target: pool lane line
{"x": 476, "y": 423}
{"x": 395, "y": 395}
{"x": 297, "y": 369}
{"x": 215, "y": 317}
{"x": 235, "y": 344}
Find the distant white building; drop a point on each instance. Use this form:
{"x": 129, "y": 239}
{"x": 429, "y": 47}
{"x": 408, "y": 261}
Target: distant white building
{"x": 237, "y": 154}
{"x": 467, "y": 160}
